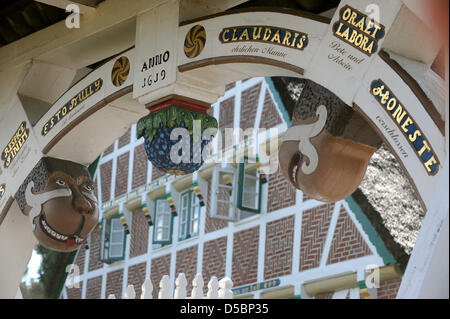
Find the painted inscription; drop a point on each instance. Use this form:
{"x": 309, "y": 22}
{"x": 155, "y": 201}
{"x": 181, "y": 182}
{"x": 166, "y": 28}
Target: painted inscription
{"x": 150, "y": 64}
{"x": 407, "y": 125}
{"x": 358, "y": 30}
{"x": 69, "y": 106}
{"x": 266, "y": 34}
{"x": 15, "y": 144}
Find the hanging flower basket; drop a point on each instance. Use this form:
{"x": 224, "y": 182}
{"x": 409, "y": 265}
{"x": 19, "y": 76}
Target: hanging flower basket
{"x": 156, "y": 128}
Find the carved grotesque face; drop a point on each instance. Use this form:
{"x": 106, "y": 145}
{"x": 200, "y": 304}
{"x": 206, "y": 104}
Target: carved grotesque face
{"x": 64, "y": 212}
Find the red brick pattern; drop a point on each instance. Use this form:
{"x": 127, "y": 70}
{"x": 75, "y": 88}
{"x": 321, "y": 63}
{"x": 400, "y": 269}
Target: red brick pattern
{"x": 160, "y": 267}
{"x": 281, "y": 192}
{"x": 245, "y": 256}
{"x": 94, "y": 288}
{"x": 389, "y": 289}
{"x": 229, "y": 86}
{"x": 139, "y": 234}
{"x": 347, "y": 242}
{"x": 114, "y": 282}
{"x": 327, "y": 295}
{"x": 109, "y": 150}
{"x": 212, "y": 224}
{"x": 249, "y": 104}
{"x": 226, "y": 118}
{"x": 122, "y": 174}
{"x": 105, "y": 173}
{"x": 186, "y": 262}
{"x": 306, "y": 197}
{"x": 214, "y": 258}
{"x": 136, "y": 277}
{"x": 79, "y": 260}
{"x": 156, "y": 173}
{"x": 73, "y": 293}
{"x": 140, "y": 165}
{"x": 125, "y": 138}
{"x": 94, "y": 250}
{"x": 270, "y": 116}
{"x": 315, "y": 225}
{"x": 279, "y": 245}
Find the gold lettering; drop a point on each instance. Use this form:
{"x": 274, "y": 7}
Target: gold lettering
{"x": 276, "y": 37}
{"x": 391, "y": 104}
{"x": 258, "y": 35}
{"x": 352, "y": 18}
{"x": 429, "y": 163}
{"x": 377, "y": 28}
{"x": 287, "y": 36}
{"x": 223, "y": 35}
{"x": 424, "y": 147}
{"x": 267, "y": 34}
{"x": 368, "y": 26}
{"x": 245, "y": 33}
{"x": 346, "y": 14}
{"x": 360, "y": 24}
{"x": 295, "y": 38}
{"x": 407, "y": 123}
{"x": 234, "y": 38}
{"x": 414, "y": 136}
{"x": 301, "y": 42}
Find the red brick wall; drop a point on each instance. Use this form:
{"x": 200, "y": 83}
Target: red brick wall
{"x": 270, "y": 116}
{"x": 230, "y": 86}
{"x": 74, "y": 293}
{"x": 156, "y": 173}
{"x": 139, "y": 234}
{"x": 105, "y": 173}
{"x": 279, "y": 245}
{"x": 109, "y": 150}
{"x": 315, "y": 225}
{"x": 160, "y": 267}
{"x": 214, "y": 259}
{"x": 281, "y": 193}
{"x": 186, "y": 262}
{"x": 114, "y": 281}
{"x": 212, "y": 224}
{"x": 249, "y": 105}
{"x": 347, "y": 242}
{"x": 122, "y": 174}
{"x": 136, "y": 277}
{"x": 94, "y": 288}
{"x": 245, "y": 256}
{"x": 140, "y": 165}
{"x": 124, "y": 139}
{"x": 79, "y": 260}
{"x": 226, "y": 118}
{"x": 94, "y": 250}
{"x": 389, "y": 289}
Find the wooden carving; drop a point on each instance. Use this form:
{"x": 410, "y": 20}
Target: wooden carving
{"x": 58, "y": 196}
{"x": 326, "y": 150}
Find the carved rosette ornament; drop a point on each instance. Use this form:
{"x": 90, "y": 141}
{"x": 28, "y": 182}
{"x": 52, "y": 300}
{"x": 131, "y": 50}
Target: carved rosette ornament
{"x": 176, "y": 135}
{"x": 58, "y": 197}
{"x": 326, "y": 150}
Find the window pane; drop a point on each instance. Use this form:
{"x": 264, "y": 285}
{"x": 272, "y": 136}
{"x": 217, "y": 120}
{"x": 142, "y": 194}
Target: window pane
{"x": 116, "y": 237}
{"x": 116, "y": 225}
{"x": 116, "y": 251}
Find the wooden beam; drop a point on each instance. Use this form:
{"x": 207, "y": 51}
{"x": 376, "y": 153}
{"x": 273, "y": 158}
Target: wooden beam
{"x": 62, "y": 4}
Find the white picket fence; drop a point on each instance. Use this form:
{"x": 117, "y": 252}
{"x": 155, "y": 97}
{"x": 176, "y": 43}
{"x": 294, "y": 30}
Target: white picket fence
{"x": 216, "y": 289}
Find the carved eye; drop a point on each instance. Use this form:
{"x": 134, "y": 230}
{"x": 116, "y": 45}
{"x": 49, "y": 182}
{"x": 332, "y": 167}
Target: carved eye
{"x": 88, "y": 188}
{"x": 60, "y": 182}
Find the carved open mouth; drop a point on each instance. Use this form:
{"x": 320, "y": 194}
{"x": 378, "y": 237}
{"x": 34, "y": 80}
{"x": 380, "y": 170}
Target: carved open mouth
{"x": 294, "y": 165}
{"x": 49, "y": 231}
